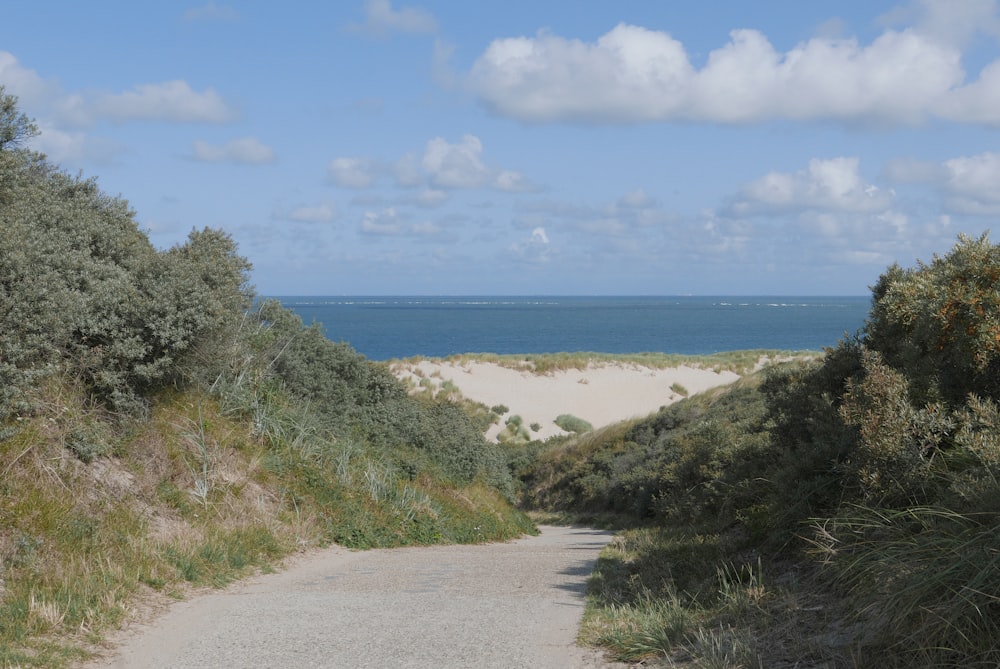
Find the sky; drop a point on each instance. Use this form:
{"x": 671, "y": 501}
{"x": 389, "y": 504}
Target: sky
{"x": 529, "y": 147}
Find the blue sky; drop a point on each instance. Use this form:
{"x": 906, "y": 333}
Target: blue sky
{"x": 374, "y": 147}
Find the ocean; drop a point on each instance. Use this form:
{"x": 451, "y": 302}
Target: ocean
{"x": 385, "y": 328}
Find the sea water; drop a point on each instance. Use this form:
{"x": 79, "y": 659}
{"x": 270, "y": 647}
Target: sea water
{"x": 384, "y": 328}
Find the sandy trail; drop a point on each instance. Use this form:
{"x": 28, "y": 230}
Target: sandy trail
{"x": 515, "y": 604}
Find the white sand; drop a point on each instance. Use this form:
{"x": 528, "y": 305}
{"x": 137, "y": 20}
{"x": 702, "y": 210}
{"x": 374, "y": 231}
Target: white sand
{"x": 602, "y": 394}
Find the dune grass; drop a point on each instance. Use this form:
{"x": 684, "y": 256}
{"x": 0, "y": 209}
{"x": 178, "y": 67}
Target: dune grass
{"x": 739, "y": 362}
{"x": 197, "y": 495}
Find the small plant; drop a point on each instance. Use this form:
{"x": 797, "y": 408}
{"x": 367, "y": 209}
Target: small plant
{"x": 571, "y": 423}
{"x": 449, "y": 389}
{"x": 724, "y": 648}
{"x": 500, "y": 409}
{"x": 679, "y": 389}
{"x": 197, "y": 438}
{"x": 535, "y": 427}
{"x": 741, "y": 589}
{"x": 84, "y": 446}
{"x": 378, "y": 479}
{"x": 648, "y": 628}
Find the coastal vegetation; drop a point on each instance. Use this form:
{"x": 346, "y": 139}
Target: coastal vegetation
{"x": 835, "y": 512}
{"x": 162, "y": 428}
{"x": 739, "y": 362}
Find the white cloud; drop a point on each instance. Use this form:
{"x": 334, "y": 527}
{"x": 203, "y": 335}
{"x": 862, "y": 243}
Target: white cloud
{"x": 513, "y": 182}
{"x": 171, "y": 101}
{"x": 352, "y": 172}
{"x": 456, "y": 165}
{"x": 384, "y": 224}
{"x": 535, "y": 249}
{"x": 460, "y": 165}
{"x": 833, "y": 185}
{"x": 320, "y": 213}
{"x": 910, "y": 170}
{"x": 968, "y": 184}
{"x": 25, "y": 83}
{"x": 245, "y": 150}
{"x": 74, "y": 147}
{"x": 212, "y": 12}
{"x": 381, "y": 19}
{"x": 633, "y": 74}
{"x": 972, "y": 183}
{"x": 977, "y": 102}
{"x": 954, "y": 22}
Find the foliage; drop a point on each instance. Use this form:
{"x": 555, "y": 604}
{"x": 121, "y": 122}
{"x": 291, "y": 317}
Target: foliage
{"x": 15, "y": 127}
{"x": 160, "y": 428}
{"x": 571, "y": 423}
{"x": 923, "y": 581}
{"x": 941, "y": 323}
{"x": 83, "y": 288}
{"x": 872, "y": 471}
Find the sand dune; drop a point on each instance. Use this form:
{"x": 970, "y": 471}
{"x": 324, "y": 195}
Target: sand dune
{"x": 601, "y": 394}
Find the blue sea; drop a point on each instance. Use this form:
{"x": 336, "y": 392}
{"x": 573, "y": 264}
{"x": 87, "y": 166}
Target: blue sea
{"x": 384, "y": 328}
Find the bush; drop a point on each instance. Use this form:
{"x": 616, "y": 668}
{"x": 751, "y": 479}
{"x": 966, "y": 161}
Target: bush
{"x": 571, "y": 423}
{"x": 84, "y": 289}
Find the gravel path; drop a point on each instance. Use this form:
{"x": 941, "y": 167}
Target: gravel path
{"x": 516, "y": 604}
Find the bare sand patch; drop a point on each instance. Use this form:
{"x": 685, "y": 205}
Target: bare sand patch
{"x": 601, "y": 394}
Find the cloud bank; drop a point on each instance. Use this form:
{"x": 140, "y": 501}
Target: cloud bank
{"x": 633, "y": 75}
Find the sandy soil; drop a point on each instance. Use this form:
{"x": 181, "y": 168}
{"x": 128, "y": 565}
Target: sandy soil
{"x": 601, "y": 394}
{"x": 515, "y": 604}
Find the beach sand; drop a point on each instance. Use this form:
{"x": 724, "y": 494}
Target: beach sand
{"x": 601, "y": 394}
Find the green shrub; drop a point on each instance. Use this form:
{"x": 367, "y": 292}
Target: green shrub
{"x": 571, "y": 423}
{"x": 84, "y": 289}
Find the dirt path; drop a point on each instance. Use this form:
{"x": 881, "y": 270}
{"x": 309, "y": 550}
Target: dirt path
{"x": 516, "y": 604}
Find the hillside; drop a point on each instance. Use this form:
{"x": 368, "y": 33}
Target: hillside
{"x": 835, "y": 513}
{"x": 162, "y": 428}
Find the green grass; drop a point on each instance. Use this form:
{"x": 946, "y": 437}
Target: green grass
{"x": 740, "y": 362}
{"x": 924, "y": 582}
{"x": 658, "y": 595}
{"x": 201, "y": 493}
{"x": 571, "y": 423}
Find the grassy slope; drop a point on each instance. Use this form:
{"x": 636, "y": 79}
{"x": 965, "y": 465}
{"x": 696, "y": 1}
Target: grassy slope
{"x": 97, "y": 518}
{"x": 720, "y": 565}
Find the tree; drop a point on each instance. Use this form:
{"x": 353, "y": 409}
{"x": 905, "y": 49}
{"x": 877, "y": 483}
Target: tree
{"x": 15, "y": 127}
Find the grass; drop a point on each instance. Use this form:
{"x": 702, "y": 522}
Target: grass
{"x": 208, "y": 490}
{"x": 571, "y": 423}
{"x": 923, "y": 582}
{"x": 671, "y": 597}
{"x": 739, "y": 362}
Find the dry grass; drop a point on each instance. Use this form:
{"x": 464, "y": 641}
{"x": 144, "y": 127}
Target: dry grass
{"x": 191, "y": 497}
{"x": 739, "y": 362}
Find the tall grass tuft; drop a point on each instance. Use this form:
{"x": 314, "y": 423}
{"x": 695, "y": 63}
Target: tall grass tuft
{"x": 925, "y": 582}
{"x": 650, "y": 627}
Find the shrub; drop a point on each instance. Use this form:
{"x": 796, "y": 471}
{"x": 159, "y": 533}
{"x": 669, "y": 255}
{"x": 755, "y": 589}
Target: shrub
{"x": 571, "y": 423}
